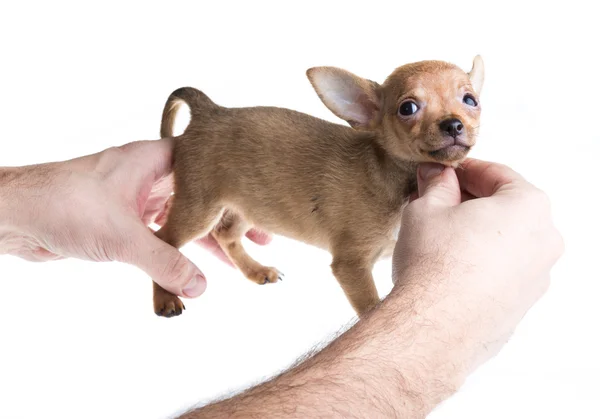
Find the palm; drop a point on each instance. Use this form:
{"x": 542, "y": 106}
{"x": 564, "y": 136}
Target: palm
{"x": 103, "y": 190}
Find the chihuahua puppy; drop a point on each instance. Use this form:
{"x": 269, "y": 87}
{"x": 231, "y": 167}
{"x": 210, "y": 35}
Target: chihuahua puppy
{"x": 340, "y": 188}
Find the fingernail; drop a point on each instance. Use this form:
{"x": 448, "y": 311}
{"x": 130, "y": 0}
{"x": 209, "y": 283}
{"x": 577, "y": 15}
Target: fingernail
{"x": 195, "y": 287}
{"x": 428, "y": 171}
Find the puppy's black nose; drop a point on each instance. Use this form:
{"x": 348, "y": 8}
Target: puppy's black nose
{"x": 452, "y": 126}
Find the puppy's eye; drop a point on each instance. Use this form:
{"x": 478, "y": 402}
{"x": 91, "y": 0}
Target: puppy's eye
{"x": 408, "y": 108}
{"x": 470, "y": 100}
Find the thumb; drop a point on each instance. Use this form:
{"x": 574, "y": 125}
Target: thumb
{"x": 166, "y": 265}
{"x": 438, "y": 184}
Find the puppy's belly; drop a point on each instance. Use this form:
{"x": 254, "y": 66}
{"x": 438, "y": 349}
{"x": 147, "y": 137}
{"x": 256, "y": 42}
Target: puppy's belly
{"x": 318, "y": 227}
{"x": 310, "y": 229}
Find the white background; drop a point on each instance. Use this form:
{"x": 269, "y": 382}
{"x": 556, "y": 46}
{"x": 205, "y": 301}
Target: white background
{"x": 80, "y": 339}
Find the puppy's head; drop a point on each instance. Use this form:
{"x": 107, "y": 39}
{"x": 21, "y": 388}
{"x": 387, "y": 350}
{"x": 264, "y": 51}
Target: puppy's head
{"x": 425, "y": 111}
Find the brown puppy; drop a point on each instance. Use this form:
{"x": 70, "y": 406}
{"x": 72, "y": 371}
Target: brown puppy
{"x": 340, "y": 188}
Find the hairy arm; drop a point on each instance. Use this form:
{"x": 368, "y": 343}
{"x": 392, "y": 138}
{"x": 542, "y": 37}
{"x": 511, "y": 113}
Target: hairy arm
{"x": 10, "y": 178}
{"x": 4, "y": 214}
{"x": 386, "y": 365}
{"x": 371, "y": 370}
{"x": 465, "y": 274}
{"x": 6, "y": 175}
{"x": 99, "y": 208}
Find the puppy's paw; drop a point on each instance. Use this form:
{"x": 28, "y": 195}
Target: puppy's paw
{"x": 265, "y": 275}
{"x": 168, "y": 305}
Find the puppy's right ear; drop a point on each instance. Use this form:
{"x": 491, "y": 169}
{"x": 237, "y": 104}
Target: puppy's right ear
{"x": 352, "y": 98}
{"x": 477, "y": 74}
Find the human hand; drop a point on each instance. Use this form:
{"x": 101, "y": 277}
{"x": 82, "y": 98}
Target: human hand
{"x": 474, "y": 254}
{"x": 98, "y": 208}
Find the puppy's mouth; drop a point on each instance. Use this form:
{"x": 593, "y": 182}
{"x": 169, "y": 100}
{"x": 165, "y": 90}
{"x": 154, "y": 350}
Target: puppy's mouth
{"x": 451, "y": 149}
{"x": 450, "y": 153}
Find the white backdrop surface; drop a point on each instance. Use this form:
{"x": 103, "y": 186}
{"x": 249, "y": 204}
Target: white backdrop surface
{"x": 79, "y": 339}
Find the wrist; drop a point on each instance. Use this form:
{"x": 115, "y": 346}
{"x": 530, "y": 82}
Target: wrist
{"x": 395, "y": 358}
{"x": 22, "y": 190}
{"x": 429, "y": 357}
{"x": 442, "y": 340}
{"x": 396, "y": 362}
{"x": 8, "y": 176}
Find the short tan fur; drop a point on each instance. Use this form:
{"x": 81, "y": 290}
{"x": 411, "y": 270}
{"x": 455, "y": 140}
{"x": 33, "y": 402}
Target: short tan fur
{"x": 341, "y": 188}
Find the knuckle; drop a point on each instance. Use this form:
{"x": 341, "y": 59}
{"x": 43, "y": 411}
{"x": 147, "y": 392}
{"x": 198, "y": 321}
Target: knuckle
{"x": 108, "y": 159}
{"x": 130, "y": 146}
{"x": 540, "y": 198}
{"x": 414, "y": 210}
{"x": 544, "y": 285}
{"x": 544, "y": 198}
{"x": 559, "y": 244}
{"x": 113, "y": 152}
{"x": 175, "y": 270}
{"x": 410, "y": 210}
{"x": 501, "y": 168}
{"x": 424, "y": 204}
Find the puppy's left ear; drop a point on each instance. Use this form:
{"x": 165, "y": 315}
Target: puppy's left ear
{"x": 352, "y": 98}
{"x": 477, "y": 74}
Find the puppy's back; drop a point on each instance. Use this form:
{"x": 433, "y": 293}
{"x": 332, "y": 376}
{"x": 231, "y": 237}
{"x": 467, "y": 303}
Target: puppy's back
{"x": 287, "y": 172}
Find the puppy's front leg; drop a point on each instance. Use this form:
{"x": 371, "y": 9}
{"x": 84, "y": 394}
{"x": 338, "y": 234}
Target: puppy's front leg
{"x": 355, "y": 277}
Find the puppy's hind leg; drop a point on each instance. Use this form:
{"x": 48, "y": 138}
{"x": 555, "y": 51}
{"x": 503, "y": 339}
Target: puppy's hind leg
{"x": 228, "y": 233}
{"x": 186, "y": 221}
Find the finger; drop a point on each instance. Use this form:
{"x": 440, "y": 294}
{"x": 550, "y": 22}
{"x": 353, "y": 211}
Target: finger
{"x": 212, "y": 246}
{"x": 166, "y": 265}
{"x": 207, "y": 243}
{"x": 259, "y": 237}
{"x": 483, "y": 179}
{"x": 157, "y": 153}
{"x": 413, "y": 196}
{"x": 38, "y": 255}
{"x": 148, "y": 173}
{"x": 157, "y": 210}
{"x": 163, "y": 186}
{"x": 438, "y": 184}
{"x": 161, "y": 217}
{"x": 465, "y": 196}
{"x": 45, "y": 255}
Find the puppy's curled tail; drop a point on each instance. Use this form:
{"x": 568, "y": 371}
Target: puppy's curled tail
{"x": 194, "y": 98}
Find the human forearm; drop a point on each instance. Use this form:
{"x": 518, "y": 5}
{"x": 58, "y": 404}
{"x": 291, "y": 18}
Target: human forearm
{"x": 391, "y": 364}
{"x": 24, "y": 196}
{"x": 21, "y": 189}
{"x": 98, "y": 207}
{"x": 465, "y": 275}
{"x": 8, "y": 177}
